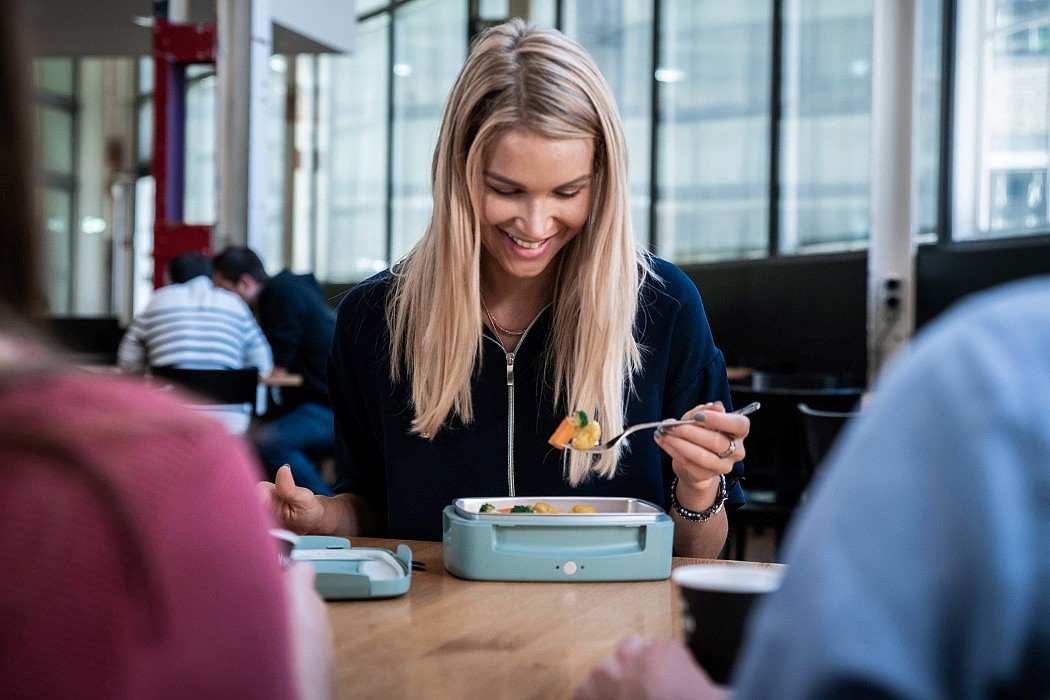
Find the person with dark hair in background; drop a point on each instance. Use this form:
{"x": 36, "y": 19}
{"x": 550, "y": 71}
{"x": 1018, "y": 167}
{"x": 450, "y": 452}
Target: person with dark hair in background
{"x": 192, "y": 324}
{"x": 137, "y": 561}
{"x": 186, "y": 266}
{"x": 299, "y": 325}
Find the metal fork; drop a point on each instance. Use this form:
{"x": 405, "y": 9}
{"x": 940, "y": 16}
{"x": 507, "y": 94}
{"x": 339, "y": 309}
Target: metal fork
{"x": 612, "y": 442}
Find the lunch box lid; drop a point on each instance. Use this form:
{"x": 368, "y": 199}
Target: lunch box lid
{"x": 345, "y": 572}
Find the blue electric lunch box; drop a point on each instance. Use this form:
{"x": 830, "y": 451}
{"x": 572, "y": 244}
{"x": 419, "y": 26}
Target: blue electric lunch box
{"x": 624, "y": 539}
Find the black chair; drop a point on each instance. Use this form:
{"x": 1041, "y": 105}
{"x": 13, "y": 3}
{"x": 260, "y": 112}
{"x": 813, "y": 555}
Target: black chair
{"x": 820, "y": 429}
{"x": 87, "y": 340}
{"x": 212, "y": 386}
{"x": 777, "y": 465}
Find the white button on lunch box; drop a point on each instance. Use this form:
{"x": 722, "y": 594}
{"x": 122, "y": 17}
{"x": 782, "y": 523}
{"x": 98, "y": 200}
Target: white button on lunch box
{"x": 569, "y": 567}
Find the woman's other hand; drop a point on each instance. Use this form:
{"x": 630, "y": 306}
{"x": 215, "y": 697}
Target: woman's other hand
{"x": 294, "y": 507}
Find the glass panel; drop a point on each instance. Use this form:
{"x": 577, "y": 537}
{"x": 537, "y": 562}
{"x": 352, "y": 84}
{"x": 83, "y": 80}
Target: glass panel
{"x": 145, "y": 76}
{"x": 304, "y": 164}
{"x": 276, "y": 103}
{"x": 352, "y": 156}
{"x": 54, "y": 75}
{"x": 713, "y": 135}
{"x": 494, "y": 9}
{"x": 363, "y": 7}
{"x": 58, "y": 222}
{"x": 142, "y": 272}
{"x": 56, "y": 140}
{"x": 544, "y": 12}
{"x": 430, "y": 46}
{"x": 351, "y": 148}
{"x": 200, "y": 200}
{"x": 826, "y": 128}
{"x": 144, "y": 107}
{"x": 928, "y": 148}
{"x": 1013, "y": 137}
{"x": 144, "y": 146}
{"x": 619, "y": 37}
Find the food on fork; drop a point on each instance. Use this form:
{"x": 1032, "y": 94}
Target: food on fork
{"x": 579, "y": 430}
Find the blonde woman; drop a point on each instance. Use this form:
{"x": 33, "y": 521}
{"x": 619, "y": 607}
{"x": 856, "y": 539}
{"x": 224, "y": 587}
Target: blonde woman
{"x": 527, "y": 298}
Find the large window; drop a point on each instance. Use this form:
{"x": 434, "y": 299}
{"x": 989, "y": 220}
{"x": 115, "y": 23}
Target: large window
{"x": 825, "y": 131}
{"x": 619, "y": 37}
{"x": 713, "y": 133}
{"x": 430, "y": 45}
{"x": 1004, "y": 119}
{"x": 748, "y": 123}
{"x": 352, "y": 156}
{"x": 200, "y": 203}
{"x": 55, "y": 80}
{"x": 379, "y": 113}
{"x": 201, "y": 185}
{"x": 720, "y": 67}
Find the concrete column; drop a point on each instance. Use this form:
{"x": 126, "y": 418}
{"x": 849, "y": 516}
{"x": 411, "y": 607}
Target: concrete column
{"x": 891, "y": 256}
{"x": 245, "y": 38}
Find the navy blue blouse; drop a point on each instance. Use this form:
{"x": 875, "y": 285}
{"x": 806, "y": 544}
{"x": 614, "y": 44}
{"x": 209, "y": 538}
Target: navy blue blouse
{"x": 504, "y": 451}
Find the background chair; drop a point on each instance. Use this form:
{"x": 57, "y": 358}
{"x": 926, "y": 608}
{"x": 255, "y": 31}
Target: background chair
{"x": 231, "y": 395}
{"x": 820, "y": 429}
{"x": 87, "y": 340}
{"x": 212, "y": 385}
{"x": 778, "y": 463}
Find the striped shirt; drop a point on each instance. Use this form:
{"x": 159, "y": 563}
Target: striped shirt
{"x": 196, "y": 325}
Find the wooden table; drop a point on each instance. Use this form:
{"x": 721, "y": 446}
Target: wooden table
{"x": 282, "y": 380}
{"x": 453, "y": 638}
{"x": 738, "y": 374}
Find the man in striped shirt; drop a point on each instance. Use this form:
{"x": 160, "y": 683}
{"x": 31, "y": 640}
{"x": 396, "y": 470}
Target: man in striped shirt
{"x": 193, "y": 324}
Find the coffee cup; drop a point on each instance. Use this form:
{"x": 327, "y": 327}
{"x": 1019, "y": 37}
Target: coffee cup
{"x": 716, "y": 599}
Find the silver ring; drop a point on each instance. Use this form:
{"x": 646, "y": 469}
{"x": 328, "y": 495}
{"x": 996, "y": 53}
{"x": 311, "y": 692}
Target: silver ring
{"x": 729, "y": 452}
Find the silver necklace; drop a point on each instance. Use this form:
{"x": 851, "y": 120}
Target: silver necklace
{"x": 495, "y": 325}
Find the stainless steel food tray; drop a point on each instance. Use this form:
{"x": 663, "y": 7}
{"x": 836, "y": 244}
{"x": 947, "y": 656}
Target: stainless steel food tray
{"x": 614, "y": 510}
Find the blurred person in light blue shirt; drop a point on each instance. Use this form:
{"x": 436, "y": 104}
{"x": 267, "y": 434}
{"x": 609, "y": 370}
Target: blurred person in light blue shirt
{"x": 192, "y": 324}
{"x": 920, "y": 567}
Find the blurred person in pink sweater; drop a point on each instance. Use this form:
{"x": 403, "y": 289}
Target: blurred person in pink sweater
{"x": 137, "y": 558}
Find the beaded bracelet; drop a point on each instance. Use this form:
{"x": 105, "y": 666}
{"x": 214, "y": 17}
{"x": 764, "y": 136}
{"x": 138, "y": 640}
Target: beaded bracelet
{"x": 702, "y": 515}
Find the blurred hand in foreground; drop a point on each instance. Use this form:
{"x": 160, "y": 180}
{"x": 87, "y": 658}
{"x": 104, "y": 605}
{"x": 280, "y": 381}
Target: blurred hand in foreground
{"x": 662, "y": 670}
{"x": 312, "y": 645}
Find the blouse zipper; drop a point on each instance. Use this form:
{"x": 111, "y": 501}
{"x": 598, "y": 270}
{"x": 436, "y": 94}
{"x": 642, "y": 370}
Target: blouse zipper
{"x": 510, "y": 421}
{"x": 510, "y": 403}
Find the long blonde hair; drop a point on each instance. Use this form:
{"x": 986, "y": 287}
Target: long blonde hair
{"x": 522, "y": 76}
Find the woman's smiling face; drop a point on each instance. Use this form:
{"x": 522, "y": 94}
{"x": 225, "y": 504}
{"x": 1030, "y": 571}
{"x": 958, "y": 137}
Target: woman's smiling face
{"x": 536, "y": 195}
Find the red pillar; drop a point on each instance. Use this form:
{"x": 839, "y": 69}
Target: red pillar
{"x": 175, "y": 46}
